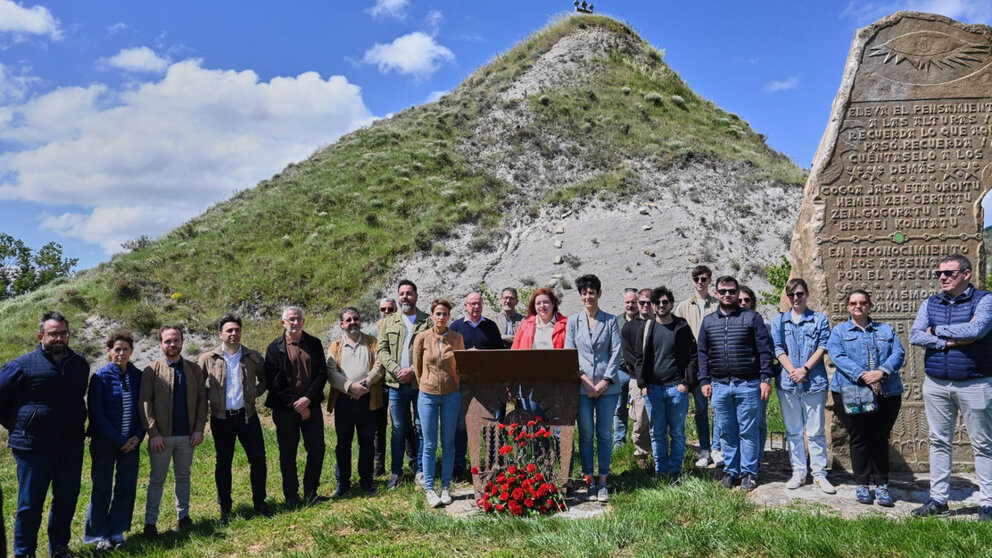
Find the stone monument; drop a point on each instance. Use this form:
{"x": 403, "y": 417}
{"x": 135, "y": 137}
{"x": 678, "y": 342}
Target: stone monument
{"x": 896, "y": 184}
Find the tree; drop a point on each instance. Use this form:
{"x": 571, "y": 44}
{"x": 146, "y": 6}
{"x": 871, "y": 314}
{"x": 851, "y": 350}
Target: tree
{"x": 778, "y": 276}
{"x": 22, "y": 271}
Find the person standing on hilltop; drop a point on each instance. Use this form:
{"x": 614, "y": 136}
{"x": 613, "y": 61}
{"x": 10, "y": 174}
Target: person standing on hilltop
{"x": 396, "y": 336}
{"x": 953, "y": 326}
{"x": 235, "y": 378}
{"x": 42, "y": 406}
{"x": 693, "y": 310}
{"x": 174, "y": 411}
{"x": 508, "y": 319}
{"x": 296, "y": 372}
{"x": 629, "y": 314}
{"x": 735, "y": 368}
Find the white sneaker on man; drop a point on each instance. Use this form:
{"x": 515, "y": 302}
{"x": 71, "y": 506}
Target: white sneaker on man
{"x": 717, "y": 458}
{"x": 603, "y": 495}
{"x": 797, "y": 480}
{"x": 445, "y": 496}
{"x": 433, "y": 500}
{"x": 824, "y": 484}
{"x": 704, "y": 458}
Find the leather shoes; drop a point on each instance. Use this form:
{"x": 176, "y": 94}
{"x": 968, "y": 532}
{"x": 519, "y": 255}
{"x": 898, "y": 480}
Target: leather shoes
{"x": 369, "y": 490}
{"x": 394, "y": 481}
{"x": 340, "y": 491}
{"x": 184, "y": 523}
{"x": 313, "y": 499}
{"x": 225, "y": 516}
{"x": 264, "y": 510}
{"x": 150, "y": 532}
{"x": 293, "y": 503}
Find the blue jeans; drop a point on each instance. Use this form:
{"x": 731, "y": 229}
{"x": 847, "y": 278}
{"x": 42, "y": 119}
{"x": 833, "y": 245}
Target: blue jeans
{"x": 36, "y": 470}
{"x": 737, "y": 404}
{"x": 596, "y": 416}
{"x": 403, "y": 404}
{"x": 762, "y": 429}
{"x": 702, "y": 418}
{"x": 434, "y": 409}
{"x": 667, "y": 408}
{"x": 112, "y": 500}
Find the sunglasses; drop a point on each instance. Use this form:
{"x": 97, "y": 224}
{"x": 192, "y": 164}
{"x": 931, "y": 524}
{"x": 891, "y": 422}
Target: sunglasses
{"x": 701, "y": 279}
{"x": 945, "y": 273}
{"x": 387, "y": 310}
{"x": 744, "y": 300}
{"x": 664, "y": 302}
{"x": 727, "y": 291}
{"x": 798, "y": 294}
{"x": 858, "y": 304}
{"x": 643, "y": 302}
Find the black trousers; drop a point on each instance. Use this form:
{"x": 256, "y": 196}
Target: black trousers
{"x": 249, "y": 433}
{"x": 289, "y": 427}
{"x": 3, "y": 528}
{"x": 351, "y": 416}
{"x": 381, "y": 420}
{"x": 869, "y": 438}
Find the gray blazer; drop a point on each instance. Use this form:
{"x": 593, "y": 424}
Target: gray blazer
{"x": 599, "y": 351}
{"x": 500, "y": 319}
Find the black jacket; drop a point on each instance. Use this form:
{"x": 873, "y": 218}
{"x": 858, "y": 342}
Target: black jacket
{"x": 642, "y": 353}
{"x": 279, "y": 373}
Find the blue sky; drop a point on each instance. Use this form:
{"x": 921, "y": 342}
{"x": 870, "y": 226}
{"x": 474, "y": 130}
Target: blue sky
{"x": 125, "y": 118}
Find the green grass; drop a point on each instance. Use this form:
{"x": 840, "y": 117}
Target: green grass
{"x": 329, "y": 231}
{"x": 647, "y": 517}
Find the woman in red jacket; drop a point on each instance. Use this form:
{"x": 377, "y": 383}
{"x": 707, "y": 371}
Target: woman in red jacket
{"x": 544, "y": 327}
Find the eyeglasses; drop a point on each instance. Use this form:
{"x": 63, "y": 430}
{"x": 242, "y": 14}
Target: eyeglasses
{"x": 744, "y": 300}
{"x": 352, "y": 320}
{"x": 664, "y": 302}
{"x": 727, "y": 291}
{"x": 858, "y": 304}
{"x": 946, "y": 273}
{"x": 643, "y": 302}
{"x": 701, "y": 279}
{"x": 797, "y": 294}
{"x": 387, "y": 310}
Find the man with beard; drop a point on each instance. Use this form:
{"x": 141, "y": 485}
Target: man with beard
{"x": 174, "y": 411}
{"x": 396, "y": 335}
{"x": 508, "y": 319}
{"x": 43, "y": 408}
{"x": 353, "y": 372}
{"x": 296, "y": 371}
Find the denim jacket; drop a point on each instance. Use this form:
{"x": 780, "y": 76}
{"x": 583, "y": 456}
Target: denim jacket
{"x": 848, "y": 346}
{"x": 799, "y": 342}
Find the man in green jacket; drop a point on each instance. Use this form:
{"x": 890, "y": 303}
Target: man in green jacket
{"x": 393, "y": 351}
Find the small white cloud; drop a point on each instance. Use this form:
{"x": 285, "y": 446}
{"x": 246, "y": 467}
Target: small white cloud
{"x": 967, "y": 11}
{"x": 36, "y": 20}
{"x": 435, "y": 96}
{"x": 118, "y": 27}
{"x": 14, "y": 83}
{"x": 138, "y": 59}
{"x": 784, "y": 85}
{"x": 415, "y": 54}
{"x": 148, "y": 156}
{"x": 434, "y": 21}
{"x": 389, "y": 8}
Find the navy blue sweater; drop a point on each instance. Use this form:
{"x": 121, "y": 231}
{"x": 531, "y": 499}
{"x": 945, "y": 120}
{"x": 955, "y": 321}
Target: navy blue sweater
{"x": 486, "y": 336}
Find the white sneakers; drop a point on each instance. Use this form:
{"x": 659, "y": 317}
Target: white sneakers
{"x": 603, "y": 495}
{"x": 797, "y": 480}
{"x": 433, "y": 500}
{"x": 717, "y": 458}
{"x": 824, "y": 484}
{"x": 445, "y": 496}
{"x": 704, "y": 458}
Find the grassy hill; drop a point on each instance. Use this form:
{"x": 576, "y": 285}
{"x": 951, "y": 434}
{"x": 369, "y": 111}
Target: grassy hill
{"x": 329, "y": 231}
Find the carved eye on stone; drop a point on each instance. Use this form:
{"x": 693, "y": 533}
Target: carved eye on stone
{"x": 926, "y": 49}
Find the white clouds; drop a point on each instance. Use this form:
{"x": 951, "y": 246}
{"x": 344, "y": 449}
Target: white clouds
{"x": 968, "y": 11}
{"x": 138, "y": 59}
{"x": 36, "y": 20}
{"x": 784, "y": 85}
{"x": 389, "y": 8}
{"x": 14, "y": 83}
{"x": 435, "y": 96}
{"x": 151, "y": 155}
{"x": 415, "y": 54}
{"x": 118, "y": 27}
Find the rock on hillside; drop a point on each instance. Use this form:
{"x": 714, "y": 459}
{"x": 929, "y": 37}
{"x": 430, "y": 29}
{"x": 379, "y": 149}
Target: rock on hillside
{"x": 582, "y": 126}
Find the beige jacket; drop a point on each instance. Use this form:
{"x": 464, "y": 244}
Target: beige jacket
{"x": 252, "y": 379}
{"x": 156, "y": 397}
{"x": 689, "y": 310}
{"x": 341, "y": 384}
{"x": 437, "y": 373}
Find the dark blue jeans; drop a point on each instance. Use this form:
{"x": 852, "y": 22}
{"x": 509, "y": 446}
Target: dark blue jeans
{"x": 403, "y": 406}
{"x": 249, "y": 433}
{"x": 112, "y": 500}
{"x": 351, "y": 416}
{"x": 36, "y": 471}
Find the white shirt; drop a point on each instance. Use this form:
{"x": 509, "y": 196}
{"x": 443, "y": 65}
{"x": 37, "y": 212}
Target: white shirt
{"x": 235, "y": 393}
{"x": 405, "y": 355}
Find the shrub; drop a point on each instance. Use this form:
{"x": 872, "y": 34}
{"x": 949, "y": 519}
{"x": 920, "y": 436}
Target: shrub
{"x": 654, "y": 97}
{"x": 678, "y": 100}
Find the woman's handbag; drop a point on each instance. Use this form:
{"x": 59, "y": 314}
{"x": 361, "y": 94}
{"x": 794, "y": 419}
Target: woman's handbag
{"x": 858, "y": 400}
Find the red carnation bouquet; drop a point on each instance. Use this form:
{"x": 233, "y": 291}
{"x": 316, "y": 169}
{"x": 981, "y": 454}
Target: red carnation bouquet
{"x": 522, "y": 484}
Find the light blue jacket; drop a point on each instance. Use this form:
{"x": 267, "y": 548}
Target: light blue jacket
{"x": 848, "y": 348}
{"x": 599, "y": 351}
{"x": 799, "y": 342}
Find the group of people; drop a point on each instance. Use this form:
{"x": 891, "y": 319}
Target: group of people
{"x": 645, "y": 364}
